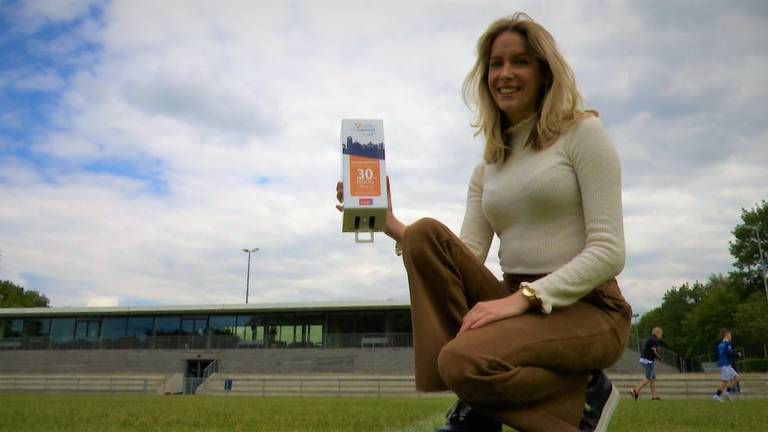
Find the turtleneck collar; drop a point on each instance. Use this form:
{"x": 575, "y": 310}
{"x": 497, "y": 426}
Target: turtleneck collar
{"x": 518, "y": 134}
{"x": 523, "y": 124}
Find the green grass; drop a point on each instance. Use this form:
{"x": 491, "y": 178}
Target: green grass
{"x": 82, "y": 413}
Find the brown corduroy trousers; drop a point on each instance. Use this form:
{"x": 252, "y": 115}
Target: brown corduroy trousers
{"x": 530, "y": 371}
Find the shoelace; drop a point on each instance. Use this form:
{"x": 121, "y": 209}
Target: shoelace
{"x": 458, "y": 412}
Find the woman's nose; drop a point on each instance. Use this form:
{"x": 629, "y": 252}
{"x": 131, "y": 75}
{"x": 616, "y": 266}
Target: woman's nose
{"x": 506, "y": 70}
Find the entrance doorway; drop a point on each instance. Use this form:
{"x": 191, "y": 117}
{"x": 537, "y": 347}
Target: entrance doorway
{"x": 194, "y": 375}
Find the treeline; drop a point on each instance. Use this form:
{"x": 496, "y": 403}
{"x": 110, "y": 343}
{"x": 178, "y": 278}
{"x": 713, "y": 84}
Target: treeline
{"x": 14, "y": 296}
{"x": 692, "y": 314}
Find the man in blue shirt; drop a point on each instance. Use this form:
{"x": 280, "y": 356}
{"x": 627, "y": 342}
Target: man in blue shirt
{"x": 728, "y": 376}
{"x": 648, "y": 355}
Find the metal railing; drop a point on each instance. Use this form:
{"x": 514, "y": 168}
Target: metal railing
{"x": 188, "y": 342}
{"x": 317, "y": 386}
{"x": 688, "y": 386}
{"x": 192, "y": 383}
{"x": 668, "y": 356}
{"x": 708, "y": 362}
{"x": 78, "y": 384}
{"x": 211, "y": 369}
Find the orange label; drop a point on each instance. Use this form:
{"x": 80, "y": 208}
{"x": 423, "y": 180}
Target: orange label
{"x": 364, "y": 176}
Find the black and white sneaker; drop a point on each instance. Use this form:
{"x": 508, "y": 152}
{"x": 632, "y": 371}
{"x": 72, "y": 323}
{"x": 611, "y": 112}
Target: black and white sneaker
{"x": 462, "y": 418}
{"x": 602, "y": 400}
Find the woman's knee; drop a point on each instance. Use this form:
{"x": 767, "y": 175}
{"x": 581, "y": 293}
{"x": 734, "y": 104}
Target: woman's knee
{"x": 424, "y": 227}
{"x": 422, "y": 233}
{"x": 457, "y": 367}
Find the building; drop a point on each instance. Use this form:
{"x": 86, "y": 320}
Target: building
{"x": 337, "y": 337}
{"x": 310, "y": 325}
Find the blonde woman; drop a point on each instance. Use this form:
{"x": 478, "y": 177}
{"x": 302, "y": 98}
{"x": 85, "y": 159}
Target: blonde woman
{"x": 526, "y": 351}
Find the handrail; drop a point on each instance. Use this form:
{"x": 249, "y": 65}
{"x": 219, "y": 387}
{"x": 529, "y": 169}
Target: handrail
{"x": 210, "y": 369}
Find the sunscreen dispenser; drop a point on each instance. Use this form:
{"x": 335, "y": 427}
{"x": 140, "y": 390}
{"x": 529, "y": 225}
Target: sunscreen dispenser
{"x": 364, "y": 177}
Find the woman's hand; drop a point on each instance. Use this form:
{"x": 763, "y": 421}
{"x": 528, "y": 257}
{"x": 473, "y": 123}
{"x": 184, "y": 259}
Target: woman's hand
{"x": 394, "y": 228}
{"x": 487, "y": 312}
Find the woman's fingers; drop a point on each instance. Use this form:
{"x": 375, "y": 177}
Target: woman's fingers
{"x": 340, "y": 196}
{"x": 484, "y": 313}
{"x": 475, "y": 316}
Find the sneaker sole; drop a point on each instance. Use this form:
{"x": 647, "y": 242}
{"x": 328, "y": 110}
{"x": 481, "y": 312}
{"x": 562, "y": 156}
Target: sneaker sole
{"x": 608, "y": 409}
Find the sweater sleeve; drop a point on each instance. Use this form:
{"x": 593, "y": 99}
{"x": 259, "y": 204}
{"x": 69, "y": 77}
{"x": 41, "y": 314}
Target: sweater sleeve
{"x": 598, "y": 172}
{"x": 476, "y": 232}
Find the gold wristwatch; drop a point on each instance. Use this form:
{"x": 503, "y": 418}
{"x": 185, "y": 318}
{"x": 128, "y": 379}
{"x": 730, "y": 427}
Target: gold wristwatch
{"x": 529, "y": 294}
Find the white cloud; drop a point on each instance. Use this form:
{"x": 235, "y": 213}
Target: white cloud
{"x": 226, "y": 118}
{"x": 102, "y": 302}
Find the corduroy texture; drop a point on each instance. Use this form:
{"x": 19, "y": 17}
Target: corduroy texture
{"x": 529, "y": 371}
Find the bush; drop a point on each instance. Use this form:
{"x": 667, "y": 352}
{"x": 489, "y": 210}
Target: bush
{"x": 753, "y": 365}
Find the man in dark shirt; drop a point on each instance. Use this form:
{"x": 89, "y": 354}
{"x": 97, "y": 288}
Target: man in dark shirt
{"x": 648, "y": 356}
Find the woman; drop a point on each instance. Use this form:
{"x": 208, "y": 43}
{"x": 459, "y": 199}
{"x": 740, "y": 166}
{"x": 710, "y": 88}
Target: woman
{"x": 522, "y": 351}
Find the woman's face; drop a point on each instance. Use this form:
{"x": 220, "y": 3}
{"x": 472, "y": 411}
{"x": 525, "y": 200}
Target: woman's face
{"x": 514, "y": 77}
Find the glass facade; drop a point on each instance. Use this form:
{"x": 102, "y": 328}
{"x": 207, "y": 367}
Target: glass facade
{"x": 298, "y": 329}
{"x": 62, "y": 332}
{"x": 167, "y": 325}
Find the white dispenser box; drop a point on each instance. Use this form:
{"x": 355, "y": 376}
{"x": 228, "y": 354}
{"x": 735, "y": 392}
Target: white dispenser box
{"x": 364, "y": 176}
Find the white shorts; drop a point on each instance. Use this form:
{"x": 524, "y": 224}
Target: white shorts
{"x": 727, "y": 373}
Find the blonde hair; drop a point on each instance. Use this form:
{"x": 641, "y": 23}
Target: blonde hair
{"x": 558, "y": 104}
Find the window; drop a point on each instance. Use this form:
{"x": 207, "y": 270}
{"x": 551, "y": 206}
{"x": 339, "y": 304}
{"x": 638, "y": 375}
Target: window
{"x": 196, "y": 326}
{"x": 399, "y": 322}
{"x": 167, "y": 325}
{"x": 37, "y": 327}
{"x": 309, "y": 330}
{"x": 87, "y": 329}
{"x": 341, "y": 322}
{"x": 62, "y": 330}
{"x": 250, "y": 329}
{"x": 369, "y": 322}
{"x": 140, "y": 327}
{"x": 13, "y": 328}
{"x": 223, "y": 325}
{"x": 113, "y": 328}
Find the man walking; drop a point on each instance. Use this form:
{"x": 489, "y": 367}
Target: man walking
{"x": 648, "y": 356}
{"x": 729, "y": 379}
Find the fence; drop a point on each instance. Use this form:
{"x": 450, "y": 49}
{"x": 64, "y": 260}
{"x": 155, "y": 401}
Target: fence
{"x": 694, "y": 385}
{"x": 79, "y": 384}
{"x": 672, "y": 386}
{"x": 316, "y": 386}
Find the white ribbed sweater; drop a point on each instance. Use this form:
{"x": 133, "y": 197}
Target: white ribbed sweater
{"x": 556, "y": 211}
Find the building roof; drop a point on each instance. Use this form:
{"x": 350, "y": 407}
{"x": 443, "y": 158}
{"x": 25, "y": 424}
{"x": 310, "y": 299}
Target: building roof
{"x": 217, "y": 308}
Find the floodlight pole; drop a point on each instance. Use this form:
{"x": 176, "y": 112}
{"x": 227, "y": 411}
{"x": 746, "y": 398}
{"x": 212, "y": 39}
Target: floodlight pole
{"x": 637, "y": 331}
{"x": 248, "y": 277}
{"x": 763, "y": 268}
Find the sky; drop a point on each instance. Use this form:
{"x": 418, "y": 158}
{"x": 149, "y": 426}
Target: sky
{"x": 144, "y": 144}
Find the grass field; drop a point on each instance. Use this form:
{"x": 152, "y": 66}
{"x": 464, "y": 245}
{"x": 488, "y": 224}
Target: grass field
{"x": 82, "y": 413}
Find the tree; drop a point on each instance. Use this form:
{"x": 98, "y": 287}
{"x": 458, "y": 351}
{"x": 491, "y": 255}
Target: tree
{"x": 12, "y": 295}
{"x": 745, "y": 250}
{"x": 676, "y": 304}
{"x": 751, "y": 325}
{"x": 702, "y": 326}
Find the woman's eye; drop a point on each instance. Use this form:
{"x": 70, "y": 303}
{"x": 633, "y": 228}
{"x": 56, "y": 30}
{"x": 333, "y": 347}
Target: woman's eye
{"x": 521, "y": 61}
